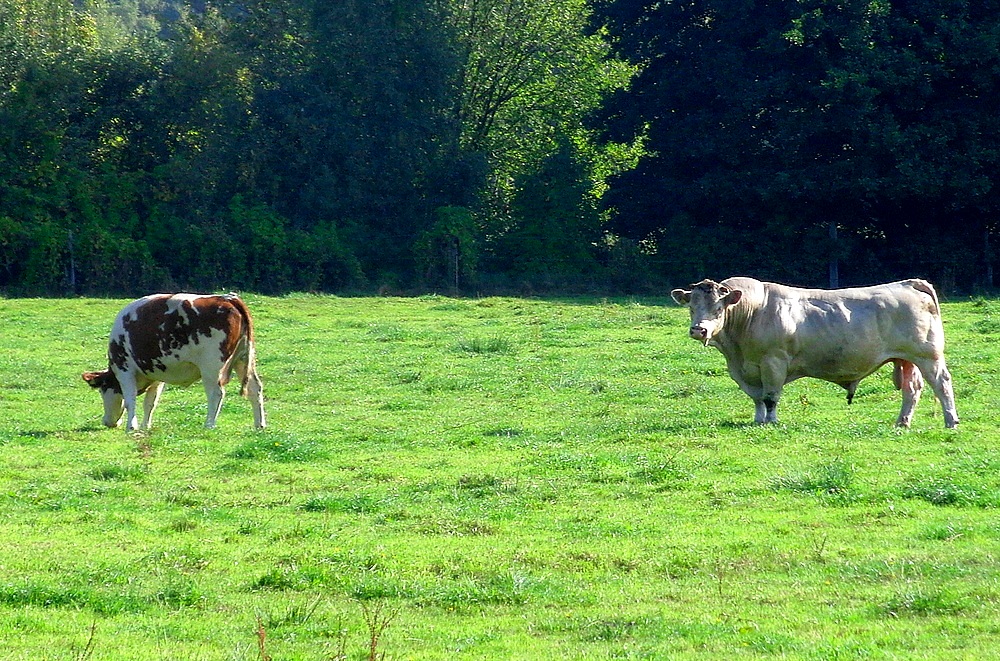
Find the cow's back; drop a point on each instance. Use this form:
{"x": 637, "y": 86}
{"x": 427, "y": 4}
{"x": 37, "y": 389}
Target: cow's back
{"x": 174, "y": 338}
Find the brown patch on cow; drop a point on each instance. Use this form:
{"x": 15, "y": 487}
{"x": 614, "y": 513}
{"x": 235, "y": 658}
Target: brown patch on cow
{"x": 244, "y": 311}
{"x": 229, "y": 318}
{"x": 156, "y": 332}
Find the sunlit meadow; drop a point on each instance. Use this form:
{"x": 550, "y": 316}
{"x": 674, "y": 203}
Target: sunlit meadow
{"x": 491, "y": 479}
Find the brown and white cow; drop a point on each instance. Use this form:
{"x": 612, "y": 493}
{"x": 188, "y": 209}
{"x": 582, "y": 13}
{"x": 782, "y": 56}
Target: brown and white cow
{"x": 771, "y": 335}
{"x": 178, "y": 339}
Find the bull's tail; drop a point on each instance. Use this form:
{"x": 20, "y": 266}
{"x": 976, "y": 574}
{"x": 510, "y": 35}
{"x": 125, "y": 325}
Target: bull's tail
{"x": 244, "y": 311}
{"x": 927, "y": 288}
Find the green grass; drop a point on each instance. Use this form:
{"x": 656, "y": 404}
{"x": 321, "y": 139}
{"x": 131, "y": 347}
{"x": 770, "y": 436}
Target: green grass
{"x": 498, "y": 478}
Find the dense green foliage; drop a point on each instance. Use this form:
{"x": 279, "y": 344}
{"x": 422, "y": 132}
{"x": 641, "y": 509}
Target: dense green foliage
{"x": 280, "y": 145}
{"x": 484, "y": 145}
{"x": 775, "y": 123}
{"x": 516, "y": 479}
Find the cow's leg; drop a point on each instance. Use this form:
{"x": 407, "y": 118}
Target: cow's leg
{"x": 771, "y": 407}
{"x": 765, "y": 411}
{"x": 149, "y": 403}
{"x": 255, "y": 392}
{"x": 936, "y": 373}
{"x": 215, "y": 394}
{"x": 906, "y": 377}
{"x": 130, "y": 392}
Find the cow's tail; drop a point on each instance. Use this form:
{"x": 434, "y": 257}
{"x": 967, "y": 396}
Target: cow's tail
{"x": 244, "y": 359}
{"x": 927, "y": 288}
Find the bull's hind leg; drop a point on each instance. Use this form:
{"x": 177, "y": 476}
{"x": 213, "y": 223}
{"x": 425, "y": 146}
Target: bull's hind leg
{"x": 936, "y": 373}
{"x": 906, "y": 378}
{"x": 215, "y": 393}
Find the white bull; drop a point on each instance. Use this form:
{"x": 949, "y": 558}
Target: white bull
{"x": 771, "y": 335}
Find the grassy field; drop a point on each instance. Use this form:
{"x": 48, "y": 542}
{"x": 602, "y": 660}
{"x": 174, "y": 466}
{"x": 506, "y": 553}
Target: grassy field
{"x": 491, "y": 479}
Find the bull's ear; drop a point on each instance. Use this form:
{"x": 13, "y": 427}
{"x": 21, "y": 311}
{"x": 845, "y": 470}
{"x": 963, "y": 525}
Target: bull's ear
{"x": 681, "y": 296}
{"x": 733, "y": 297}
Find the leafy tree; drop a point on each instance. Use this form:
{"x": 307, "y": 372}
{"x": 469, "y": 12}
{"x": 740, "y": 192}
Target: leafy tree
{"x": 775, "y": 123}
{"x": 554, "y": 238}
{"x": 533, "y": 72}
{"x": 53, "y": 180}
{"x": 274, "y": 145}
{"x": 352, "y": 127}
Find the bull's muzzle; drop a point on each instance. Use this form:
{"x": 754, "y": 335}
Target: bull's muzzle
{"x": 699, "y": 333}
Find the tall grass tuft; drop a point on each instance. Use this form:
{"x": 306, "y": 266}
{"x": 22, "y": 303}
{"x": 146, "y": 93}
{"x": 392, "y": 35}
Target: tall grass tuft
{"x": 830, "y": 478}
{"x": 116, "y": 472}
{"x": 924, "y": 603}
{"x": 944, "y": 491}
{"x": 495, "y": 344}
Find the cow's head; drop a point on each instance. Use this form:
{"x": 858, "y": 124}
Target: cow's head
{"x": 707, "y": 302}
{"x": 111, "y": 392}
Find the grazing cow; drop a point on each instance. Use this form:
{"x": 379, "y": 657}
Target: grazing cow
{"x": 771, "y": 335}
{"x": 178, "y": 339}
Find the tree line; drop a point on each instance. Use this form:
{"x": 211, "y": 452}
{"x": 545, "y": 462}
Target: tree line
{"x": 809, "y": 141}
{"x": 494, "y": 145}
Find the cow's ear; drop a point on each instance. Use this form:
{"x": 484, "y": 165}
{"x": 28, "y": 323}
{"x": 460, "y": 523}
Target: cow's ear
{"x": 681, "y": 296}
{"x": 733, "y": 297}
{"x": 93, "y": 379}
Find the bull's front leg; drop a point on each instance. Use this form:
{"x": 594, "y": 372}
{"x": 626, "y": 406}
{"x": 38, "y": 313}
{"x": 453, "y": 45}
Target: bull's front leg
{"x": 741, "y": 375}
{"x": 765, "y": 409}
{"x": 773, "y": 373}
{"x": 771, "y": 408}
{"x": 759, "y": 411}
{"x": 760, "y": 408}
